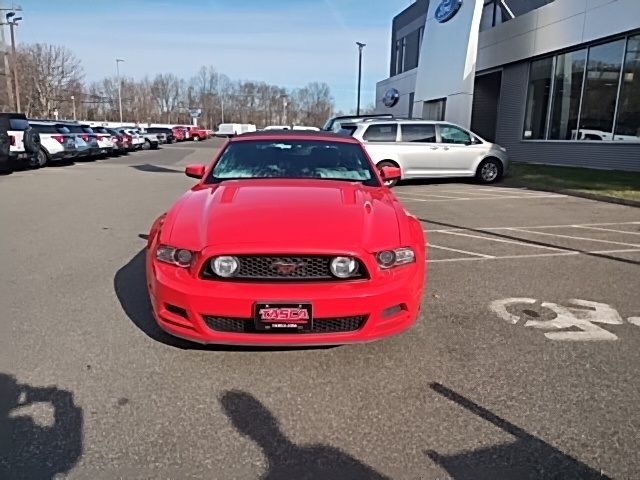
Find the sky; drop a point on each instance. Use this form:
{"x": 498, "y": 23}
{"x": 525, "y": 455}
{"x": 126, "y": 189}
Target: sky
{"x": 284, "y": 42}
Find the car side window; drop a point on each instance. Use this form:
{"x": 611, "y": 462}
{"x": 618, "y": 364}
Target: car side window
{"x": 451, "y": 134}
{"x": 384, "y": 132}
{"x": 420, "y": 132}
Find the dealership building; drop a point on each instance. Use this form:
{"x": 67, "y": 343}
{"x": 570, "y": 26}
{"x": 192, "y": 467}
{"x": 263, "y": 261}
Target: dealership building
{"x": 553, "y": 81}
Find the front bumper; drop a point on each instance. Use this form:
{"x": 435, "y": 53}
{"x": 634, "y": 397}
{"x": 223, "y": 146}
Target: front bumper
{"x": 389, "y": 302}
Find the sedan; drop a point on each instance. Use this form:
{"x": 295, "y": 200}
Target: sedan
{"x": 288, "y": 238}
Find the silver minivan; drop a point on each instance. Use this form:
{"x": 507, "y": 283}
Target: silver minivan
{"x": 430, "y": 149}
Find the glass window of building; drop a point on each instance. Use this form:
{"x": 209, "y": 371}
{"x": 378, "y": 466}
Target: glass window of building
{"x": 567, "y": 89}
{"x": 403, "y": 54}
{"x": 601, "y": 91}
{"x": 382, "y": 132}
{"x": 538, "y": 99}
{"x": 628, "y": 122}
{"x": 398, "y": 58}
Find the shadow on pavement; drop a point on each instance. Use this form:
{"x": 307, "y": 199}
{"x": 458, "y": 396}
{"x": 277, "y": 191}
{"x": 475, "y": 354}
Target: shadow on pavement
{"x": 130, "y": 285}
{"x": 286, "y": 460}
{"x": 528, "y": 457}
{"x": 155, "y": 169}
{"x": 32, "y": 451}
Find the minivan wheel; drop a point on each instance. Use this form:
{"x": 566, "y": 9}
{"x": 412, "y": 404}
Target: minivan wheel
{"x": 385, "y": 163}
{"x": 489, "y": 171}
{"x": 146, "y": 145}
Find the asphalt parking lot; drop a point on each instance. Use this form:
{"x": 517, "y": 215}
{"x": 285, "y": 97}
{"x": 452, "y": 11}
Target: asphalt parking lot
{"x": 523, "y": 363}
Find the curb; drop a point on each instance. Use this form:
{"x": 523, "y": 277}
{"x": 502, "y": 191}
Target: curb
{"x": 587, "y": 195}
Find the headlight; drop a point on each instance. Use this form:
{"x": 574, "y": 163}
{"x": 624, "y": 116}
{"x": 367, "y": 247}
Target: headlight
{"x": 344, "y": 267}
{"x": 174, "y": 256}
{"x": 225, "y": 266}
{"x": 393, "y": 258}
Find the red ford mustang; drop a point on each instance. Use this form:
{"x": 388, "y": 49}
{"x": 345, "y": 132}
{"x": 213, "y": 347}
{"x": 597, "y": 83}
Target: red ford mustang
{"x": 288, "y": 238}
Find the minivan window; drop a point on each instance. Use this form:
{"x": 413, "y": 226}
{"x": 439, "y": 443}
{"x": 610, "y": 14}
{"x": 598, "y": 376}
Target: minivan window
{"x": 419, "y": 132}
{"x": 18, "y": 124}
{"x": 62, "y": 129}
{"x": 451, "y": 134}
{"x": 87, "y": 129}
{"x": 384, "y": 132}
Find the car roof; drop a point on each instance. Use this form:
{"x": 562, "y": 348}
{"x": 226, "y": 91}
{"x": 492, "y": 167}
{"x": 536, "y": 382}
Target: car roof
{"x": 293, "y": 135}
{"x": 400, "y": 120}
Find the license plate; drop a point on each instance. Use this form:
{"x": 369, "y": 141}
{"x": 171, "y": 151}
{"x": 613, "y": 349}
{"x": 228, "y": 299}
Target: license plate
{"x": 288, "y": 317}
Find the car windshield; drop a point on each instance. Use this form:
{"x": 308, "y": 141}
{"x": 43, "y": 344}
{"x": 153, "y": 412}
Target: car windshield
{"x": 75, "y": 129}
{"x": 62, "y": 129}
{"x": 293, "y": 159}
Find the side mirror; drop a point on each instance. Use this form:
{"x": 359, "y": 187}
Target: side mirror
{"x": 390, "y": 173}
{"x": 194, "y": 171}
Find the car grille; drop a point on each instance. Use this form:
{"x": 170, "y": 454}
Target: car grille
{"x": 320, "y": 325}
{"x": 292, "y": 268}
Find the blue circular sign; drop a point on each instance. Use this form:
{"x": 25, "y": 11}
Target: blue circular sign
{"x": 391, "y": 97}
{"x": 447, "y": 10}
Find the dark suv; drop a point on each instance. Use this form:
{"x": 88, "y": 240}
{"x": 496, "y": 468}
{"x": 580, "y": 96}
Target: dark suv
{"x": 24, "y": 141}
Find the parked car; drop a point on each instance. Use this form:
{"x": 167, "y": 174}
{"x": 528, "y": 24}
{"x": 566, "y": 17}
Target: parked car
{"x": 345, "y": 263}
{"x": 429, "y": 149}
{"x": 129, "y": 138}
{"x": 105, "y": 140}
{"x": 55, "y": 145}
{"x": 163, "y": 132}
{"x": 197, "y": 134}
{"x": 179, "y": 133}
{"x": 334, "y": 124}
{"x": 5, "y": 147}
{"x": 187, "y": 131}
{"x": 86, "y": 140}
{"x": 24, "y": 141}
{"x": 148, "y": 140}
{"x": 120, "y": 141}
{"x": 137, "y": 141}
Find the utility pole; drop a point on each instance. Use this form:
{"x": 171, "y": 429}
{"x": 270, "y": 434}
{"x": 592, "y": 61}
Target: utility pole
{"x": 73, "y": 101}
{"x": 13, "y": 22}
{"x": 284, "y": 108}
{"x": 360, "y": 47}
{"x": 118, "y": 60}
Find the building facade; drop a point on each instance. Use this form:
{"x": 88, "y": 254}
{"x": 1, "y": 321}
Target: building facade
{"x": 554, "y": 82}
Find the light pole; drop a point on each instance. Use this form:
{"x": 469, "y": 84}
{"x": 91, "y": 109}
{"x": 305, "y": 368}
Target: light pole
{"x": 73, "y": 102}
{"x": 360, "y": 47}
{"x": 13, "y": 22}
{"x": 118, "y": 60}
{"x": 284, "y": 97}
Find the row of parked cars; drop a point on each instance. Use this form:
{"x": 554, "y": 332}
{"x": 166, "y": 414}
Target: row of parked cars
{"x": 32, "y": 143}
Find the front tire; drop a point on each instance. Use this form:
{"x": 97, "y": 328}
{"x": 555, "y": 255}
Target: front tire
{"x": 489, "y": 171}
{"x": 196, "y": 138}
{"x": 146, "y": 145}
{"x": 387, "y": 163}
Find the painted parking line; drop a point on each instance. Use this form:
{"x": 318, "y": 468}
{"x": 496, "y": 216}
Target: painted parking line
{"x": 606, "y": 230}
{"x": 482, "y": 255}
{"x": 558, "y": 235}
{"x": 473, "y": 229}
{"x": 502, "y": 240}
{"x": 510, "y": 197}
{"x": 535, "y": 255}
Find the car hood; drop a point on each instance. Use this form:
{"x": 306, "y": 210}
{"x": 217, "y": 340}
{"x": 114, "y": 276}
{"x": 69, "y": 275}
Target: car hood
{"x": 280, "y": 215}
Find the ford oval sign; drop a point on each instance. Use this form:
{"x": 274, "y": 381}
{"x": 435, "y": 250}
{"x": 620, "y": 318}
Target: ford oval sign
{"x": 447, "y": 10}
{"x": 391, "y": 97}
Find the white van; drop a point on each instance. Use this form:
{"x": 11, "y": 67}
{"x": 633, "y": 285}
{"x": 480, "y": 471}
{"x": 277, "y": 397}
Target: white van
{"x": 230, "y": 129}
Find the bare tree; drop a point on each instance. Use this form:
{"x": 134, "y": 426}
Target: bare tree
{"x": 48, "y": 76}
